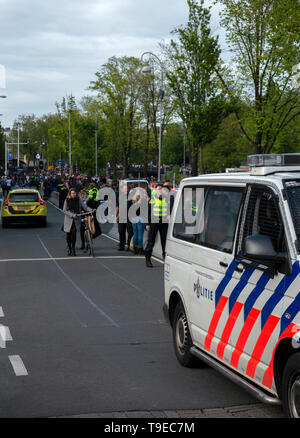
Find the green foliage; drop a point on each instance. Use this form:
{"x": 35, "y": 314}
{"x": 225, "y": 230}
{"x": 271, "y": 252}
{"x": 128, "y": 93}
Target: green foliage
{"x": 173, "y": 148}
{"x": 264, "y": 38}
{"x": 193, "y": 59}
{"x": 117, "y": 85}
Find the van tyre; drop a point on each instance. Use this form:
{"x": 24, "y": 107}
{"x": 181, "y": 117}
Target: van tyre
{"x": 291, "y": 387}
{"x": 182, "y": 340}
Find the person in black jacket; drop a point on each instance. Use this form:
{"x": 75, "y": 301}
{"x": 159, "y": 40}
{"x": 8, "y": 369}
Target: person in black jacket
{"x": 124, "y": 223}
{"x": 62, "y": 189}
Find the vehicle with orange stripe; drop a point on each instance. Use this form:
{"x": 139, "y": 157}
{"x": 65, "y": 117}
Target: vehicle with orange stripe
{"x": 24, "y": 206}
{"x": 232, "y": 276}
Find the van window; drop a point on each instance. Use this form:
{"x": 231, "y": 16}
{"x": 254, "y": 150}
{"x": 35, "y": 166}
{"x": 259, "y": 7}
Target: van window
{"x": 262, "y": 217}
{"x": 293, "y": 195}
{"x": 188, "y": 221}
{"x": 208, "y": 216}
{"x": 221, "y": 211}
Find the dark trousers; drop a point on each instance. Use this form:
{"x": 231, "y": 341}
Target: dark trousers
{"x": 71, "y": 237}
{"x": 122, "y": 228}
{"x": 162, "y": 228}
{"x": 61, "y": 199}
{"x": 82, "y": 231}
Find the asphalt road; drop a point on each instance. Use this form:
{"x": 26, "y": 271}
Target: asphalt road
{"x": 82, "y": 335}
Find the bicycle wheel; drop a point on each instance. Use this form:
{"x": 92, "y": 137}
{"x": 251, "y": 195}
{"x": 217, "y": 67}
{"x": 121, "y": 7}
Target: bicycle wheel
{"x": 89, "y": 241}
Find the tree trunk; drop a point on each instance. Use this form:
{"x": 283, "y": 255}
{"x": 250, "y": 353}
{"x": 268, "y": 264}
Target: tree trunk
{"x": 146, "y": 155}
{"x": 201, "y": 167}
{"x": 195, "y": 158}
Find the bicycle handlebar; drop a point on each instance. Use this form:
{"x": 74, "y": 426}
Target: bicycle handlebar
{"x": 85, "y": 214}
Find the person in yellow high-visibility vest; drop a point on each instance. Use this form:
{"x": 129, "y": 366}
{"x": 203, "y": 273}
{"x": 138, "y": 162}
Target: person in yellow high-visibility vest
{"x": 158, "y": 222}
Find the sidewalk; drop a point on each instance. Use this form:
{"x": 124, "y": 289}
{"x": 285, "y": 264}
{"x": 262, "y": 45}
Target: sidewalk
{"x": 258, "y": 410}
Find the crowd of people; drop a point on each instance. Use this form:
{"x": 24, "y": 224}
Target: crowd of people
{"x": 80, "y": 193}
{"x": 77, "y": 195}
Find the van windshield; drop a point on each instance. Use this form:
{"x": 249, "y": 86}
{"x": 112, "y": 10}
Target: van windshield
{"x": 293, "y": 192}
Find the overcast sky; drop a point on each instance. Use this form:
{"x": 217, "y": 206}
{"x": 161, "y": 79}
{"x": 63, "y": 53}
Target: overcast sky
{"x": 51, "y": 49}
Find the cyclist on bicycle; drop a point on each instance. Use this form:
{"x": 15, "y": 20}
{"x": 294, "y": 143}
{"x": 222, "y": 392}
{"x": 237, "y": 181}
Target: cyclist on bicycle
{"x": 73, "y": 206}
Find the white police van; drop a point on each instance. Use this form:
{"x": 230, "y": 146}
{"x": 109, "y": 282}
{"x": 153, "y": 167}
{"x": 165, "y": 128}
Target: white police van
{"x": 232, "y": 276}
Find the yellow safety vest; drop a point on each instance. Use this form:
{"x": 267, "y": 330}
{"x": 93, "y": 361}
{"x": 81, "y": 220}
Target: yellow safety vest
{"x": 160, "y": 207}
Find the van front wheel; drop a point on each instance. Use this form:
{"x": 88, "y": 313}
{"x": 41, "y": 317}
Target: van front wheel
{"x": 181, "y": 338}
{"x": 291, "y": 387}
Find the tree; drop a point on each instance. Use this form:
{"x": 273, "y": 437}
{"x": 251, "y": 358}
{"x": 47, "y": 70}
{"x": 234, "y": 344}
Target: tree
{"x": 193, "y": 60}
{"x": 264, "y": 36}
{"x": 118, "y": 85}
{"x": 157, "y": 105}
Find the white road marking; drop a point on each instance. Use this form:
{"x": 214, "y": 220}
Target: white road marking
{"x": 5, "y": 333}
{"x": 82, "y": 293}
{"x": 18, "y": 365}
{"x": 51, "y": 203}
{"x": 5, "y": 336}
{"x": 48, "y": 259}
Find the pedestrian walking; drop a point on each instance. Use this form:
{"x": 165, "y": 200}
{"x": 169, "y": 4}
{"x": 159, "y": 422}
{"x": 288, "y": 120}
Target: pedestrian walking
{"x": 73, "y": 206}
{"x": 139, "y": 221}
{"x": 62, "y": 189}
{"x": 4, "y": 187}
{"x": 124, "y": 224}
{"x": 158, "y": 216}
{"x": 92, "y": 194}
{"x": 47, "y": 188}
{"x": 83, "y": 195}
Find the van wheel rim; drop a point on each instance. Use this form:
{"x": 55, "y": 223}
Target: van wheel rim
{"x": 181, "y": 334}
{"x": 295, "y": 398}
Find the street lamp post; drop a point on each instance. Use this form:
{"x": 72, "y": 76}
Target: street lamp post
{"x": 18, "y": 157}
{"x": 96, "y": 146}
{"x": 70, "y": 144}
{"x": 147, "y": 69}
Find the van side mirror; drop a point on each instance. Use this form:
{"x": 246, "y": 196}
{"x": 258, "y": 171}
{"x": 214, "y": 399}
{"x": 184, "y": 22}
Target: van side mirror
{"x": 259, "y": 247}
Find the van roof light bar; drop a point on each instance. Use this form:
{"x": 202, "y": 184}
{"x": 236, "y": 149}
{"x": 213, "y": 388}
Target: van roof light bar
{"x": 266, "y": 164}
{"x": 273, "y": 160}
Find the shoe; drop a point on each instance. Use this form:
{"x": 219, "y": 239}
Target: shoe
{"x": 82, "y": 247}
{"x": 69, "y": 251}
{"x": 141, "y": 251}
{"x": 73, "y": 253}
{"x": 121, "y": 248}
{"x": 128, "y": 248}
{"x": 148, "y": 263}
{"x": 135, "y": 250}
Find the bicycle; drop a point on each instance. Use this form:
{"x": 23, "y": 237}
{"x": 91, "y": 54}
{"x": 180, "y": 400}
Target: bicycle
{"x": 87, "y": 233}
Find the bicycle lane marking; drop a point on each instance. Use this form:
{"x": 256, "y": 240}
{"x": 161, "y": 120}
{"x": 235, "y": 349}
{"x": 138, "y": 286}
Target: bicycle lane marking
{"x": 77, "y": 288}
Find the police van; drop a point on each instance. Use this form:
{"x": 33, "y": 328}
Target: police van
{"x": 232, "y": 276}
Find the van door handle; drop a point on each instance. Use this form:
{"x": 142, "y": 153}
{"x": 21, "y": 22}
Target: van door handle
{"x": 225, "y": 265}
